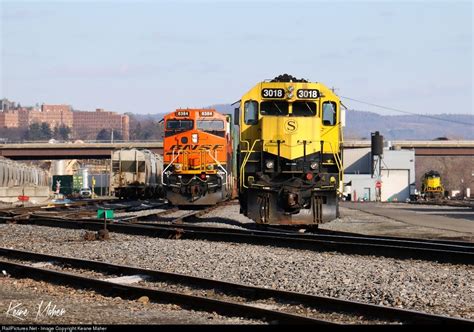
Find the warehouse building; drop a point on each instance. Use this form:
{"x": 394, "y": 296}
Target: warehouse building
{"x": 390, "y": 177}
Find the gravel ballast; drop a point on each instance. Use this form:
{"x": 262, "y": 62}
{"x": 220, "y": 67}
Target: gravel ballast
{"x": 72, "y": 306}
{"x": 175, "y": 287}
{"x": 410, "y": 284}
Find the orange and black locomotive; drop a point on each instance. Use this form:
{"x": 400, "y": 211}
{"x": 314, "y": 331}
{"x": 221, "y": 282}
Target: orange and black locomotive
{"x": 197, "y": 157}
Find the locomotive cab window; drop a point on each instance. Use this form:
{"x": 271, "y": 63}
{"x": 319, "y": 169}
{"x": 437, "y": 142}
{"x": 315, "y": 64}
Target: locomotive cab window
{"x": 251, "y": 112}
{"x": 214, "y": 127}
{"x": 274, "y": 107}
{"x": 304, "y": 108}
{"x": 177, "y": 126}
{"x": 329, "y": 113}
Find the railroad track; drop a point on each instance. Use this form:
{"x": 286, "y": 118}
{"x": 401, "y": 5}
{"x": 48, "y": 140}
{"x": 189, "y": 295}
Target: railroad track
{"x": 183, "y": 227}
{"x": 445, "y": 251}
{"x": 76, "y": 209}
{"x": 225, "y": 298}
{"x": 451, "y": 203}
{"x": 442, "y": 251}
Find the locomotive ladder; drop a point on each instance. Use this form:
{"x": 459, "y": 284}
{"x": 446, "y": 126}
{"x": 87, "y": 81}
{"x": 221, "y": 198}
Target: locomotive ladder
{"x": 246, "y": 158}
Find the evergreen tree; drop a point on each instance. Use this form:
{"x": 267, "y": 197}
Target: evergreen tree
{"x": 103, "y": 135}
{"x": 34, "y": 132}
{"x": 63, "y": 132}
{"x": 46, "y": 132}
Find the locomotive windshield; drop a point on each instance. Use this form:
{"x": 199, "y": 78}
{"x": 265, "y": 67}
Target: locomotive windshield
{"x": 279, "y": 108}
{"x": 177, "y": 126}
{"x": 214, "y": 127}
{"x": 329, "y": 113}
{"x": 304, "y": 108}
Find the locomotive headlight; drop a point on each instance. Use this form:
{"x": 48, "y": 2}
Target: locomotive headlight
{"x": 177, "y": 167}
{"x": 269, "y": 164}
{"x": 290, "y": 95}
{"x": 194, "y": 138}
{"x": 210, "y": 167}
{"x": 291, "y": 88}
{"x": 314, "y": 165}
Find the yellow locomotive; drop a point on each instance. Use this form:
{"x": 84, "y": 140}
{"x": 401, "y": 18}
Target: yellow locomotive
{"x": 431, "y": 186}
{"x": 290, "y": 154}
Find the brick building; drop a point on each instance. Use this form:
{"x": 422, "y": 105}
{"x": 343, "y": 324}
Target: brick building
{"x": 89, "y": 124}
{"x": 54, "y": 115}
{"x": 9, "y": 119}
{"x": 84, "y": 125}
{"x": 23, "y": 118}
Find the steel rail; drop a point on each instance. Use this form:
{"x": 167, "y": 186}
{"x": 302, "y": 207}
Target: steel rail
{"x": 53, "y": 206}
{"x": 339, "y": 236}
{"x": 382, "y": 237}
{"x": 354, "y": 245}
{"x": 191, "y": 220}
{"x": 323, "y": 303}
{"x": 193, "y": 302}
{"x": 74, "y": 209}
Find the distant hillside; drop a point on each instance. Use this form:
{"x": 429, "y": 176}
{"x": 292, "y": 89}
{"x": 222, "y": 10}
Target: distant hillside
{"x": 360, "y": 124}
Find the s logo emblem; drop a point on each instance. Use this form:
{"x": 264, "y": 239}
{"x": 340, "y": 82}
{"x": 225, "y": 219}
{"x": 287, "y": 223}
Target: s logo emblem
{"x": 291, "y": 126}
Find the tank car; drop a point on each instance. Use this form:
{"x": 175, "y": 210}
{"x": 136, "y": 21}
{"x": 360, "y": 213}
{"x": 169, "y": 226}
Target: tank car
{"x": 290, "y": 152}
{"x": 197, "y": 157}
{"x": 136, "y": 174}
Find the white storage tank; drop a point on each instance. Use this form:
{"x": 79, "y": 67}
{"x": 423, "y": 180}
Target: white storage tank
{"x": 85, "y": 178}
{"x": 59, "y": 167}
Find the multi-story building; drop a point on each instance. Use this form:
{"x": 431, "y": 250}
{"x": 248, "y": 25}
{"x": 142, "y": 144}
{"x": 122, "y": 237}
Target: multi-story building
{"x": 9, "y": 119}
{"x": 54, "y": 115}
{"x": 84, "y": 125}
{"x": 23, "y": 117}
{"x": 89, "y": 124}
{"x": 6, "y": 105}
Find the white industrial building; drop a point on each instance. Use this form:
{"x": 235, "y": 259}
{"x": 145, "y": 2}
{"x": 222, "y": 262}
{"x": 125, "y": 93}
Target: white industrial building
{"x": 395, "y": 176}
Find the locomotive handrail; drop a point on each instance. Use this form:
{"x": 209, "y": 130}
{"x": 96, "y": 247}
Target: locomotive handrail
{"x": 219, "y": 165}
{"x": 171, "y": 163}
{"x": 242, "y": 168}
{"x": 290, "y": 145}
{"x": 338, "y": 162}
{"x": 248, "y": 145}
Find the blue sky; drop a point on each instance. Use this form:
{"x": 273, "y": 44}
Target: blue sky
{"x": 153, "y": 57}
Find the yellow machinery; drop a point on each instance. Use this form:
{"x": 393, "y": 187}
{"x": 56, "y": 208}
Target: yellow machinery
{"x": 431, "y": 186}
{"x": 290, "y": 157}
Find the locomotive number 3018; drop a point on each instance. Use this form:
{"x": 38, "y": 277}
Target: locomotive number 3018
{"x": 273, "y": 93}
{"x": 307, "y": 93}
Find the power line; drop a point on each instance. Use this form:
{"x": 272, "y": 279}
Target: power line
{"x": 411, "y": 113}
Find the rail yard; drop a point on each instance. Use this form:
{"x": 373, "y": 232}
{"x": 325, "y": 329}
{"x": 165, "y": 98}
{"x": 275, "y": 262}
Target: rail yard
{"x": 160, "y": 264}
{"x": 235, "y": 165}
{"x": 256, "y": 217}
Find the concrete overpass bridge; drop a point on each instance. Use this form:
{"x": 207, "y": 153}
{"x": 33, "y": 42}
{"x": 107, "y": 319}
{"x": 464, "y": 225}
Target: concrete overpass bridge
{"x": 96, "y": 150}
{"x": 423, "y": 148}
{"x": 51, "y": 151}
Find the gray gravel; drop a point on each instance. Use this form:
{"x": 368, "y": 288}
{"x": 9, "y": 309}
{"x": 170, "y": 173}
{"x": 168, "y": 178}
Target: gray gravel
{"x": 292, "y": 308}
{"x": 411, "y": 284}
{"x": 88, "y": 307}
